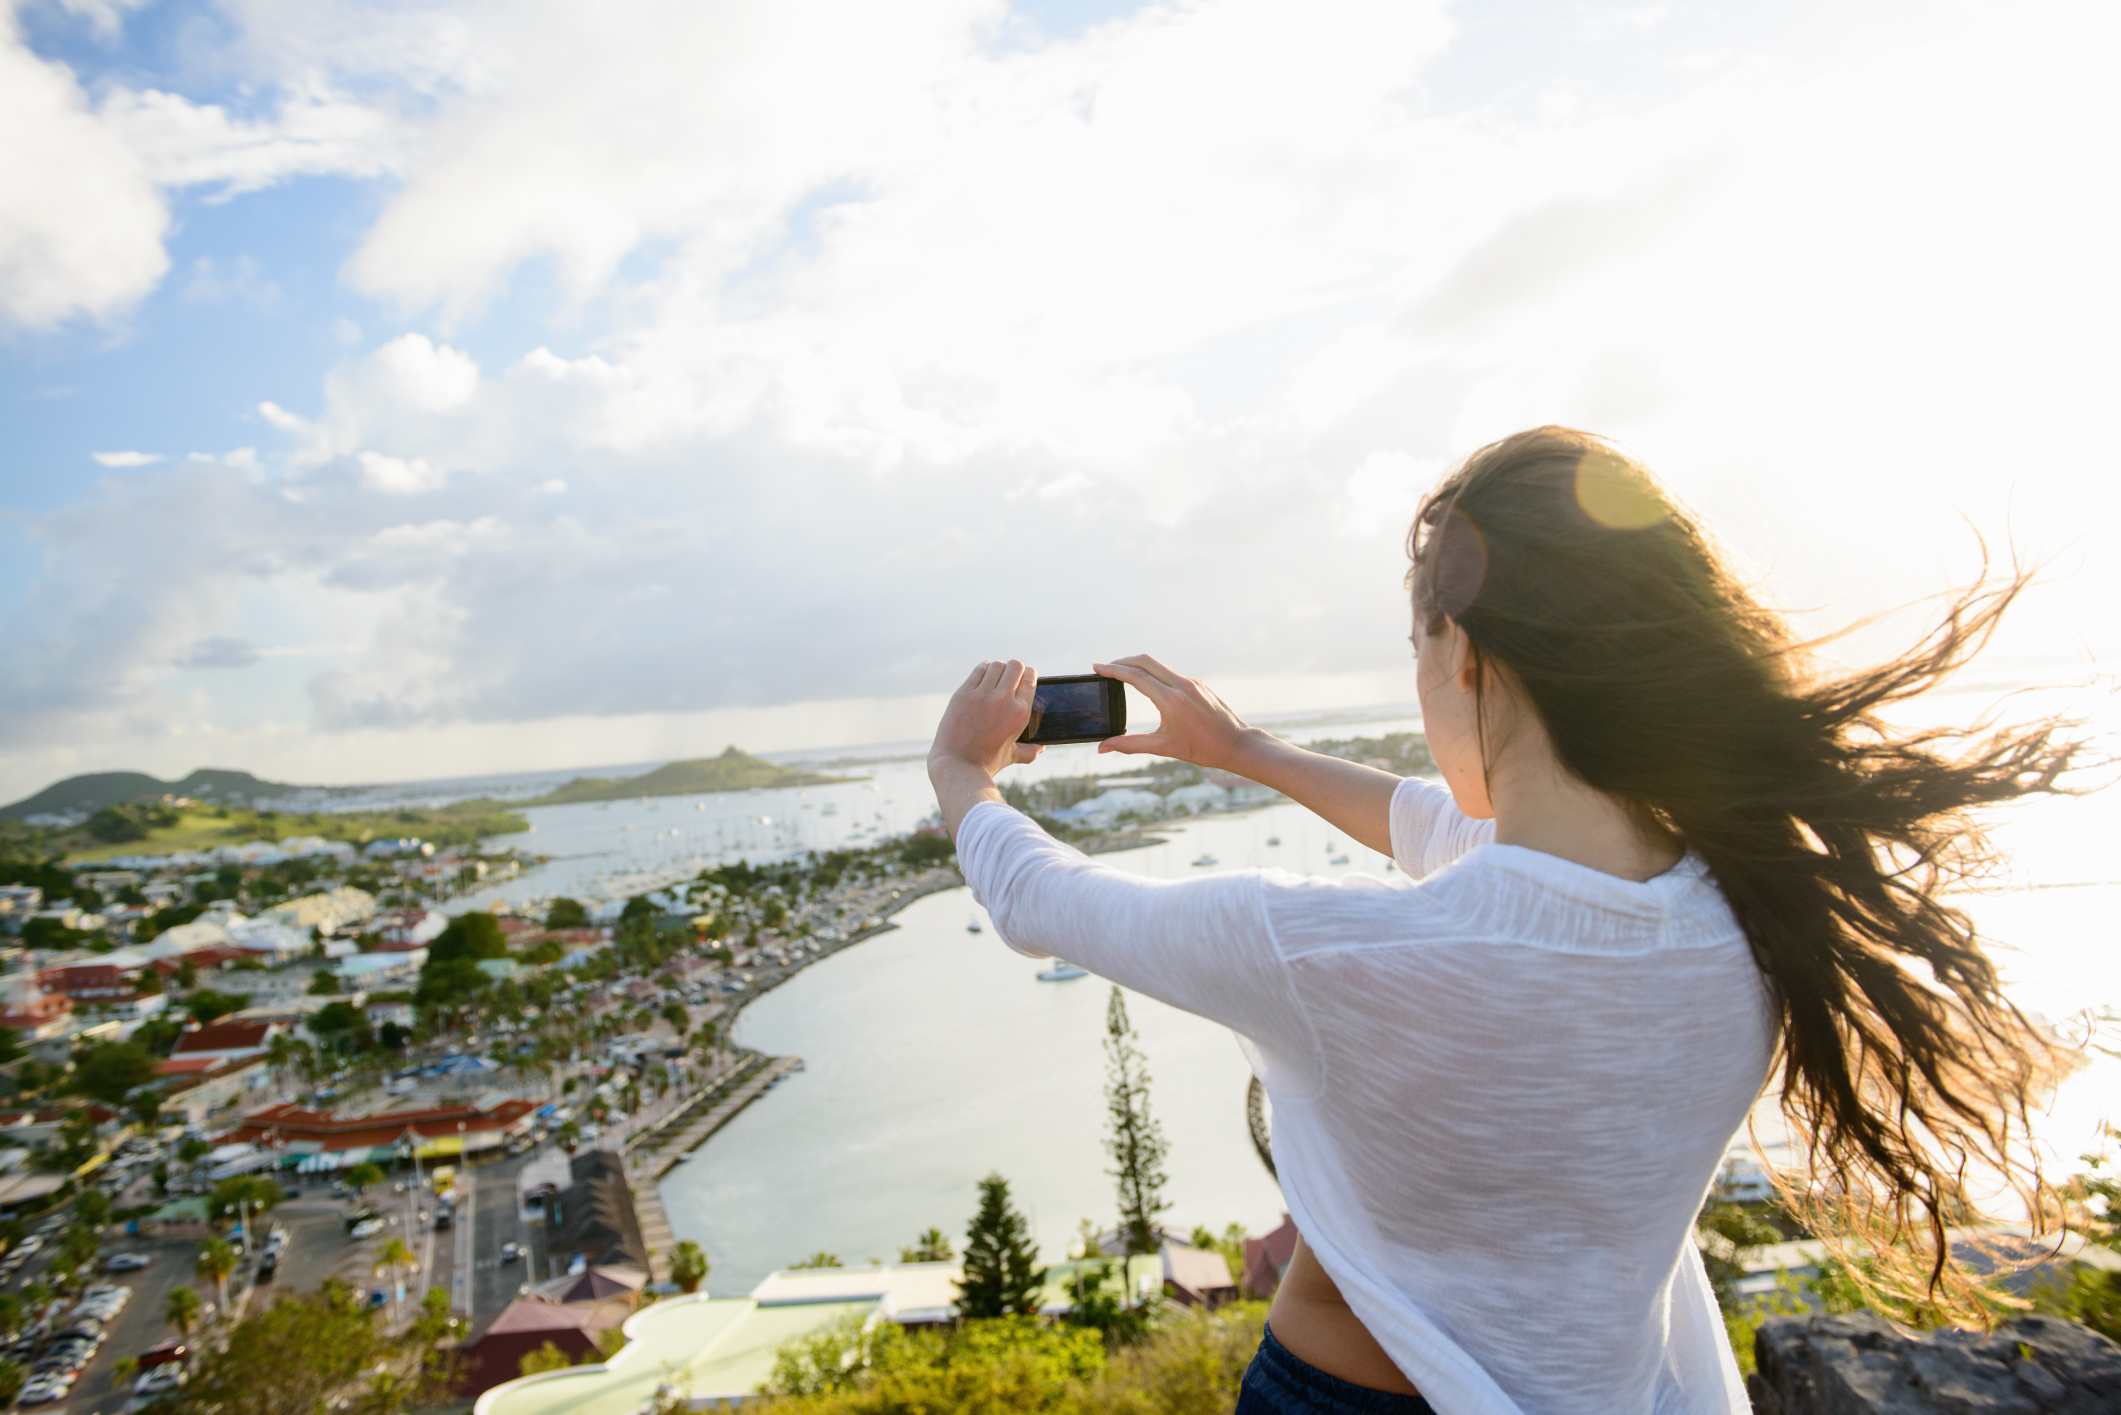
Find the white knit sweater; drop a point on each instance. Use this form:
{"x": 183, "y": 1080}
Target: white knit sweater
{"x": 1501, "y": 1087}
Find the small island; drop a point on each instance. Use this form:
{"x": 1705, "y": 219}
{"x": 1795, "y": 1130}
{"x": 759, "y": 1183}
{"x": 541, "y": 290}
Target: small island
{"x": 733, "y": 770}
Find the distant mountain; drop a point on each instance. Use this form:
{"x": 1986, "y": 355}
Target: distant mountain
{"x": 733, "y": 770}
{"x": 115, "y": 788}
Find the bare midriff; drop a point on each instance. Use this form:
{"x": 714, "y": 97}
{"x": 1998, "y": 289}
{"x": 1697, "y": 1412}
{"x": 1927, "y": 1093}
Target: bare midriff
{"x": 1310, "y": 1318}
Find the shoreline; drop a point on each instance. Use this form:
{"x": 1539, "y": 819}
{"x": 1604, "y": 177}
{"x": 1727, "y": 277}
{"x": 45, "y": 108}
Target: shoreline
{"x": 942, "y": 877}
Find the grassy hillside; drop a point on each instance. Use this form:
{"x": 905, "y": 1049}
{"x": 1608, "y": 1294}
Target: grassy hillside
{"x": 733, "y": 770}
{"x": 96, "y": 790}
{"x": 202, "y": 828}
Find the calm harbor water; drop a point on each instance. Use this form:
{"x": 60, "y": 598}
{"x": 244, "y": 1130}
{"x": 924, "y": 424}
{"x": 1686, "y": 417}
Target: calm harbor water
{"x": 934, "y": 1055}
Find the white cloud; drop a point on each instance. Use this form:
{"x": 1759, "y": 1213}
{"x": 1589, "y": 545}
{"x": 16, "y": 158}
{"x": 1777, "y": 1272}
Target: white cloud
{"x": 81, "y": 225}
{"x": 399, "y": 476}
{"x": 1206, "y": 296}
{"x": 126, "y": 459}
{"x": 314, "y": 131}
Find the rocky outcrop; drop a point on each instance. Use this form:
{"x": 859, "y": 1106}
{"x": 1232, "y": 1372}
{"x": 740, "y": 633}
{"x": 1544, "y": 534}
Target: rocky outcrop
{"x": 1858, "y": 1365}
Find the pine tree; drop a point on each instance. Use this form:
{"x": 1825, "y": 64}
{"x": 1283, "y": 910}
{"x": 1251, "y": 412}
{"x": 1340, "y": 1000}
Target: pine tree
{"x": 1001, "y": 1272}
{"x": 1135, "y": 1140}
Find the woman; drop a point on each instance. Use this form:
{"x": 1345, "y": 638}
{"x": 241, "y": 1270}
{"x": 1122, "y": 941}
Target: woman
{"x": 1664, "y": 856}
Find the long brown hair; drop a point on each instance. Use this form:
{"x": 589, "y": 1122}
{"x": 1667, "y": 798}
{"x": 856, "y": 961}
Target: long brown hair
{"x": 1661, "y": 681}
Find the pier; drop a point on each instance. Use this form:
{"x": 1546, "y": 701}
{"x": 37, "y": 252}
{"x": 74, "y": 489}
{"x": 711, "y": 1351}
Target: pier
{"x": 657, "y": 1153}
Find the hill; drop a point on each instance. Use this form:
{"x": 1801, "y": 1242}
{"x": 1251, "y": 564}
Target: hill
{"x": 94, "y": 791}
{"x": 733, "y": 770}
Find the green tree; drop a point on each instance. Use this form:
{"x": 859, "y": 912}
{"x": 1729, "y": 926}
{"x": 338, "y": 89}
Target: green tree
{"x": 92, "y": 1207}
{"x": 1133, "y": 1138}
{"x": 547, "y": 1357}
{"x": 932, "y": 1246}
{"x": 688, "y": 1265}
{"x": 362, "y": 1175}
{"x": 216, "y": 1261}
{"x": 1001, "y": 1270}
{"x": 315, "y": 1352}
{"x": 12, "y": 1379}
{"x": 819, "y": 1259}
{"x": 470, "y": 935}
{"x": 181, "y": 1310}
{"x": 566, "y": 914}
{"x": 1014, "y": 1364}
{"x": 106, "y": 1071}
{"x": 205, "y": 1005}
{"x": 253, "y": 1191}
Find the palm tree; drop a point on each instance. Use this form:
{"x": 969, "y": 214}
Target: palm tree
{"x": 182, "y": 1310}
{"x": 395, "y": 1257}
{"x": 216, "y": 1261}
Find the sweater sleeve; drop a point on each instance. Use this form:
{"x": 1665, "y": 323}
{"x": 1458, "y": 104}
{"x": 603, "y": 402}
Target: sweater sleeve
{"x": 1428, "y": 829}
{"x": 1205, "y": 945}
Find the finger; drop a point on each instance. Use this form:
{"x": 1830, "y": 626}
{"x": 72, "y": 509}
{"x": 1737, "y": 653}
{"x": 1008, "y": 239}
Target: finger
{"x": 1161, "y": 670}
{"x": 990, "y": 674}
{"x": 1149, "y": 685}
{"x": 1012, "y": 676}
{"x": 1023, "y": 752}
{"x": 1150, "y": 668}
{"x": 1130, "y": 742}
{"x": 972, "y": 678}
{"x": 1027, "y": 686}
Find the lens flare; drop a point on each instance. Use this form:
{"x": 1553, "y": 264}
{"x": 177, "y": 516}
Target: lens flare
{"x": 1614, "y": 493}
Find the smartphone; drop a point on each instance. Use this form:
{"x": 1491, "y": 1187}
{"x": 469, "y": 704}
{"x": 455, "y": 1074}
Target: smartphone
{"x": 1076, "y": 707}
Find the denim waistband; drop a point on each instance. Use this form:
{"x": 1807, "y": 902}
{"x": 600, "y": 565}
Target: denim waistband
{"x": 1283, "y": 1381}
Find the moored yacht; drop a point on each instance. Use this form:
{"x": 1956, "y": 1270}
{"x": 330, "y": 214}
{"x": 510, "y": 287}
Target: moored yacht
{"x": 1061, "y": 972}
{"x": 1205, "y": 859}
{"x": 972, "y": 926}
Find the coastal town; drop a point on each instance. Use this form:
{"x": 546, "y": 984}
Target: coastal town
{"x": 247, "y": 1070}
{"x": 247, "y": 1075}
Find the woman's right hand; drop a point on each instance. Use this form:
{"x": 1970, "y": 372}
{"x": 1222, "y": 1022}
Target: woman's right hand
{"x": 1196, "y": 726}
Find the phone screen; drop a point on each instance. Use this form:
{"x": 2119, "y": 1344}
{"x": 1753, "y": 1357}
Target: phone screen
{"x": 1075, "y": 709}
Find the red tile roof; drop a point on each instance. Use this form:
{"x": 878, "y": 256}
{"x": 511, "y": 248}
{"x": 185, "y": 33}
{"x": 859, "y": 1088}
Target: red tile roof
{"x": 293, "y": 1122}
{"x": 224, "y": 1036}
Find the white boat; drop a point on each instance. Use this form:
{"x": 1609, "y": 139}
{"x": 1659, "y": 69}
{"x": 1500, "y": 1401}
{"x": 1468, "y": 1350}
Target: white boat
{"x": 1205, "y": 860}
{"x": 1336, "y": 859}
{"x": 1274, "y": 840}
{"x": 972, "y": 926}
{"x": 1061, "y": 972}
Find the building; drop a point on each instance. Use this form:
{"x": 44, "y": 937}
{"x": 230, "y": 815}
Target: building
{"x": 33, "y": 1014}
{"x": 226, "y": 1041}
{"x": 92, "y": 980}
{"x": 326, "y": 913}
{"x": 320, "y": 1140}
{"x": 1196, "y": 1277}
{"x": 1266, "y": 1259}
{"x": 205, "y": 1093}
{"x": 408, "y": 928}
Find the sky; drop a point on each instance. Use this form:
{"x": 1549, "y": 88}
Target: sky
{"x": 393, "y": 391}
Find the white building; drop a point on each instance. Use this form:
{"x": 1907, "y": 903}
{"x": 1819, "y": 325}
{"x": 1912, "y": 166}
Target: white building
{"x": 329, "y": 912}
{"x": 1107, "y": 806}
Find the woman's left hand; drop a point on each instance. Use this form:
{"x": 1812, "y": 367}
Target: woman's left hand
{"x": 986, "y": 715}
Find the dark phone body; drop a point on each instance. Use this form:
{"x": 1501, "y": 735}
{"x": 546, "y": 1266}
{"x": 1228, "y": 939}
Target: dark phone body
{"x": 1076, "y": 707}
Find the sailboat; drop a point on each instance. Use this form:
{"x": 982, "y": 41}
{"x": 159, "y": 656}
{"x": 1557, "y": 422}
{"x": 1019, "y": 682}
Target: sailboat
{"x": 1061, "y": 972}
{"x": 972, "y": 926}
{"x": 1274, "y": 840}
{"x": 1340, "y": 859}
{"x": 1205, "y": 859}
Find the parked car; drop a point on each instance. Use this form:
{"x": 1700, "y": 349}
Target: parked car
{"x": 268, "y": 1269}
{"x": 159, "y": 1381}
{"x": 126, "y": 1262}
{"x": 365, "y": 1227}
{"x": 42, "y": 1390}
{"x": 511, "y": 1253}
{"x": 162, "y": 1355}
